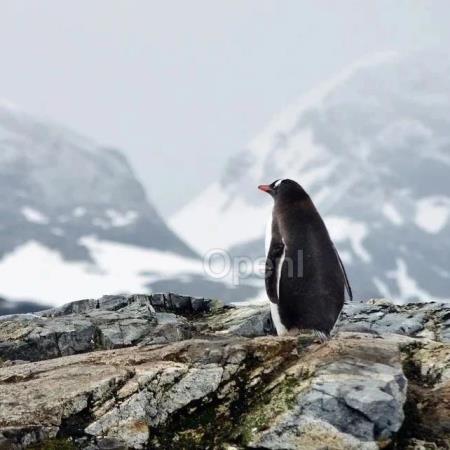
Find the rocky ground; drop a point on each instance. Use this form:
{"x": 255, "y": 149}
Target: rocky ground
{"x": 173, "y": 372}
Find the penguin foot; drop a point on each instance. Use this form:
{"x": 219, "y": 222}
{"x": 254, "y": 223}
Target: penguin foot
{"x": 322, "y": 336}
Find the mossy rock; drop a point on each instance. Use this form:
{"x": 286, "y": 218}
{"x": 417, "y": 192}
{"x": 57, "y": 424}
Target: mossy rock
{"x": 270, "y": 405}
{"x": 54, "y": 444}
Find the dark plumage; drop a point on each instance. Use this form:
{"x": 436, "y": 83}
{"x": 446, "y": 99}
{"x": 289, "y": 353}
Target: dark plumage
{"x": 305, "y": 277}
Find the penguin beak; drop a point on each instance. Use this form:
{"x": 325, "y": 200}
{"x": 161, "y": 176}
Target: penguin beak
{"x": 265, "y": 188}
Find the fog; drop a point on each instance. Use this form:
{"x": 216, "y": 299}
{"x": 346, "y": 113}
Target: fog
{"x": 181, "y": 86}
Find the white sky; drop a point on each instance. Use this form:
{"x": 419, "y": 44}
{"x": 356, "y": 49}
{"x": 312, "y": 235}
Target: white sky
{"x": 181, "y": 85}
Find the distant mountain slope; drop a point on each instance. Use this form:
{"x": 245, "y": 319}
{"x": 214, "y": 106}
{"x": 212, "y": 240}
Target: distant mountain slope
{"x": 372, "y": 147}
{"x": 58, "y": 186}
{"x": 7, "y": 308}
{"x": 73, "y": 218}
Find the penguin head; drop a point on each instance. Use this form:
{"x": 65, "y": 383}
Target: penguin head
{"x": 284, "y": 190}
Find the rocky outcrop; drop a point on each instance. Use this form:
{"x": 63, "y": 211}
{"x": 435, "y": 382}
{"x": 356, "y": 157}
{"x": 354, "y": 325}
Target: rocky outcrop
{"x": 120, "y": 321}
{"x": 173, "y": 372}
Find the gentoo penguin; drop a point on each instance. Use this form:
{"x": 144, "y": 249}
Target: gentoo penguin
{"x": 304, "y": 275}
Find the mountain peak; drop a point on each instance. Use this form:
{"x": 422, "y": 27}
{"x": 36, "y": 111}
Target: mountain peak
{"x": 66, "y": 201}
{"x": 371, "y": 148}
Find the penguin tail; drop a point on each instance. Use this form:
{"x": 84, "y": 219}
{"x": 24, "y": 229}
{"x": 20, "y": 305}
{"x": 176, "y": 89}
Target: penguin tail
{"x": 344, "y": 273}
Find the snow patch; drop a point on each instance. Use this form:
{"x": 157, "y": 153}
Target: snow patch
{"x": 119, "y": 219}
{"x": 382, "y": 287}
{"x": 101, "y": 223}
{"x": 79, "y": 211}
{"x": 392, "y": 214}
{"x": 57, "y": 231}
{"x": 432, "y": 213}
{"x": 298, "y": 152}
{"x": 233, "y": 216}
{"x": 407, "y": 286}
{"x": 285, "y": 121}
{"x": 34, "y": 216}
{"x": 215, "y": 221}
{"x": 346, "y": 257}
{"x": 343, "y": 229}
{"x": 117, "y": 268}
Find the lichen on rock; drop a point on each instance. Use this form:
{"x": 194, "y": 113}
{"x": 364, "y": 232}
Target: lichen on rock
{"x": 173, "y": 372}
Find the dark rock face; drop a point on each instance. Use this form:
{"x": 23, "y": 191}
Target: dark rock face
{"x": 175, "y": 372}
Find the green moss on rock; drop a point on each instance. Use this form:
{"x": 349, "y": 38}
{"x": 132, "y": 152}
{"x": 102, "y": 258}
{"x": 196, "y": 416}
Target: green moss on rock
{"x": 271, "y": 404}
{"x": 223, "y": 420}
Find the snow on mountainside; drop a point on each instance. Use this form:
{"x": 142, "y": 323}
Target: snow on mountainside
{"x": 73, "y": 218}
{"x": 372, "y": 148}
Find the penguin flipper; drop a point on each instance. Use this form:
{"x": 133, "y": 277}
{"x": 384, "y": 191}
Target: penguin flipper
{"x": 344, "y": 273}
{"x": 272, "y": 271}
{"x": 273, "y": 261}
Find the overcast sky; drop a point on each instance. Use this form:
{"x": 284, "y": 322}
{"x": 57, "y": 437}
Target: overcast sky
{"x": 180, "y": 86}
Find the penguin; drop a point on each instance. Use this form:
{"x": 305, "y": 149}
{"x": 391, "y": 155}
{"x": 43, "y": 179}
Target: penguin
{"x": 304, "y": 276}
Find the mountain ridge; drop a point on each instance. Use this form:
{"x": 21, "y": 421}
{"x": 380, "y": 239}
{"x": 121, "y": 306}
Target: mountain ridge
{"x": 68, "y": 202}
{"x": 373, "y": 154}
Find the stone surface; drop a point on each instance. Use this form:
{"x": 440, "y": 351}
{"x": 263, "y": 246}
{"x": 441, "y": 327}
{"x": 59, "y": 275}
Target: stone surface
{"x": 109, "y": 322}
{"x": 173, "y": 372}
{"x": 428, "y": 320}
{"x": 352, "y": 396}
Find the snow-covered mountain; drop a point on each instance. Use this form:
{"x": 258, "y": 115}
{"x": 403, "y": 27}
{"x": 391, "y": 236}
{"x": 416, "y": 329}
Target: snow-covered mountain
{"x": 372, "y": 147}
{"x": 75, "y": 222}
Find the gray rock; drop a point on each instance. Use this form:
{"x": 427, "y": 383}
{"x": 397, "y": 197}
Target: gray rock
{"x": 40, "y": 338}
{"x": 443, "y": 324}
{"x": 130, "y": 394}
{"x": 413, "y": 319}
{"x": 112, "y": 321}
{"x": 359, "y": 400}
{"x": 118, "y": 321}
{"x": 249, "y": 321}
{"x": 197, "y": 375}
{"x": 359, "y": 395}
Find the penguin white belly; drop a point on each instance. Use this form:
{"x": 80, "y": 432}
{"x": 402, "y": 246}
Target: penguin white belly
{"x": 281, "y": 329}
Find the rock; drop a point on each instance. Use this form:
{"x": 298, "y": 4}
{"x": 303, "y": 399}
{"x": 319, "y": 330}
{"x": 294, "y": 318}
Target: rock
{"x": 250, "y": 321}
{"x": 172, "y": 372}
{"x": 359, "y": 396}
{"x": 128, "y": 392}
{"x": 427, "y": 365}
{"x": 109, "y": 322}
{"x": 414, "y": 319}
